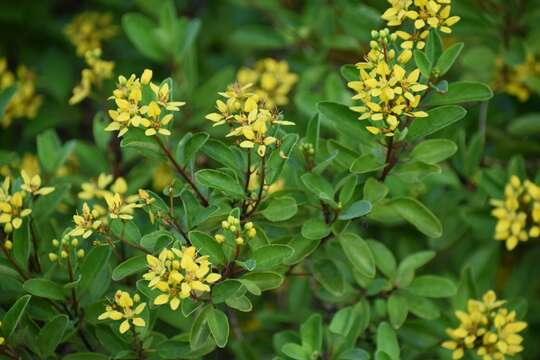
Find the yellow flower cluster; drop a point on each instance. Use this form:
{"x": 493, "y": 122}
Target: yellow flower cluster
{"x": 488, "y": 329}
{"x": 24, "y": 103}
{"x": 387, "y": 91}
{"x": 93, "y": 76}
{"x": 130, "y": 111}
{"x": 89, "y": 29}
{"x": 236, "y": 230}
{"x": 179, "y": 274}
{"x": 426, "y": 15}
{"x": 122, "y": 309}
{"x": 64, "y": 248}
{"x": 12, "y": 207}
{"x": 514, "y": 80}
{"x": 518, "y": 214}
{"x": 248, "y": 116}
{"x": 119, "y": 204}
{"x": 271, "y": 80}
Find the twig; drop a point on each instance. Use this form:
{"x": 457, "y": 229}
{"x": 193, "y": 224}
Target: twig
{"x": 261, "y": 188}
{"x": 203, "y": 200}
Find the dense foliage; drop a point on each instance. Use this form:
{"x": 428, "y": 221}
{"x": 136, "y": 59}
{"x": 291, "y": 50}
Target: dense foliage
{"x": 269, "y": 179}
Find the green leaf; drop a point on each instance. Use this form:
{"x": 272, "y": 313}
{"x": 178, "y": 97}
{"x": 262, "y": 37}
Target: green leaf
{"x": 438, "y": 119}
{"x": 423, "y": 63}
{"x": 374, "y": 190}
{"x": 447, "y": 59}
{"x": 265, "y": 280}
{"x": 46, "y": 205}
{"x": 157, "y": 240}
{"x": 44, "y": 288}
{"x": 525, "y": 125}
{"x": 418, "y": 215}
{"x": 366, "y": 163}
{"x": 397, "y": 310}
{"x": 5, "y": 98}
{"x": 313, "y": 132}
{"x": 221, "y": 153}
{"x": 434, "y": 151}
{"x": 410, "y": 264}
{"x": 280, "y": 209}
{"x": 51, "y": 334}
{"x": 129, "y": 267}
{"x": 359, "y": 254}
{"x": 141, "y": 31}
{"x": 270, "y": 256}
{"x": 314, "y": 229}
{"x": 22, "y": 244}
{"x": 344, "y": 120}
{"x": 384, "y": 259}
{"x": 349, "y": 72}
{"x": 257, "y": 37}
{"x": 319, "y": 186}
{"x": 49, "y": 148}
{"x": 189, "y": 146}
{"x": 94, "y": 261}
{"x": 432, "y": 286}
{"x": 240, "y": 303}
{"x": 461, "y": 92}
{"x": 219, "y": 326}
{"x": 226, "y": 289}
{"x": 208, "y": 246}
{"x": 387, "y": 341}
{"x": 101, "y": 137}
{"x": 356, "y": 210}
{"x": 311, "y": 333}
{"x": 221, "y": 181}
{"x": 328, "y": 275}
{"x": 347, "y": 188}
{"x": 199, "y": 329}
{"x": 295, "y": 351}
{"x": 14, "y": 315}
{"x": 145, "y": 145}
{"x": 474, "y": 155}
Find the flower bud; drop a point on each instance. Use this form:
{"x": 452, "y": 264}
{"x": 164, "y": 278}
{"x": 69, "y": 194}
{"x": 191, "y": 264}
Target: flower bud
{"x": 219, "y": 238}
{"x": 239, "y": 240}
{"x": 74, "y": 242}
{"x": 80, "y": 253}
{"x": 252, "y": 233}
{"x": 136, "y": 298}
{"x": 53, "y": 257}
{"x": 8, "y": 245}
{"x": 225, "y": 224}
{"x": 146, "y": 76}
{"x": 248, "y": 225}
{"x": 232, "y": 228}
{"x": 55, "y": 243}
{"x": 63, "y": 254}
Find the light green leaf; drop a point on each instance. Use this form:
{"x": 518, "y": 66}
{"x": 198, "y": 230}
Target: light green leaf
{"x": 387, "y": 341}
{"x": 314, "y": 229}
{"x": 432, "y": 286}
{"x": 461, "y": 92}
{"x": 359, "y": 254}
{"x": 221, "y": 181}
{"x": 447, "y": 59}
{"x": 270, "y": 256}
{"x": 418, "y": 215}
{"x": 51, "y": 334}
{"x": 208, "y": 246}
{"x": 438, "y": 119}
{"x": 356, "y": 210}
{"x": 280, "y": 209}
{"x": 14, "y": 315}
{"x": 44, "y": 288}
{"x": 219, "y": 326}
{"x": 129, "y": 267}
{"x": 434, "y": 151}
{"x": 366, "y": 163}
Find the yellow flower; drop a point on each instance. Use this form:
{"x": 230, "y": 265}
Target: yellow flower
{"x": 122, "y": 309}
{"x": 424, "y": 14}
{"x": 11, "y": 208}
{"x": 518, "y": 215}
{"x": 86, "y": 223}
{"x": 130, "y": 112}
{"x": 247, "y": 115}
{"x": 32, "y": 185}
{"x": 179, "y": 274}
{"x": 89, "y": 29}
{"x": 486, "y": 328}
{"x": 271, "y": 81}
{"x": 118, "y": 208}
{"x": 386, "y": 90}
{"x": 24, "y": 103}
{"x": 97, "y": 71}
{"x": 162, "y": 177}
{"x": 514, "y": 80}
